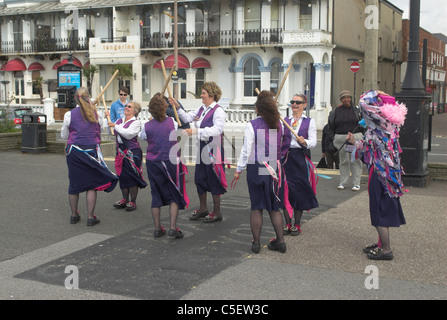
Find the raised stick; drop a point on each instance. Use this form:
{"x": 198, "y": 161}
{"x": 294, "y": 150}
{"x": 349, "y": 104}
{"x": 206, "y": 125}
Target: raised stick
{"x": 169, "y": 91}
{"x": 105, "y": 88}
{"x": 105, "y": 109}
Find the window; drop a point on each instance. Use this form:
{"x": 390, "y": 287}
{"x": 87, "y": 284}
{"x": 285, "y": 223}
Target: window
{"x": 145, "y": 82}
{"x": 182, "y": 83}
{"x": 274, "y": 77}
{"x": 306, "y": 15}
{"x": 145, "y": 24}
{"x": 17, "y": 28}
{"x": 252, "y": 15}
{"x": 200, "y": 79}
{"x": 252, "y": 77}
{"x": 274, "y": 14}
{"x": 36, "y": 76}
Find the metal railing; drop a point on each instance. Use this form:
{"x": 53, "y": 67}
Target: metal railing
{"x": 43, "y": 45}
{"x": 229, "y": 38}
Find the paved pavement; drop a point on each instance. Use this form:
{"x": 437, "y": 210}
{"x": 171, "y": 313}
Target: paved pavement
{"x": 119, "y": 258}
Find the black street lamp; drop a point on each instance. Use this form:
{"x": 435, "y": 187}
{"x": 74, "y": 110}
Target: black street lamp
{"x": 414, "y": 133}
{"x": 395, "y": 55}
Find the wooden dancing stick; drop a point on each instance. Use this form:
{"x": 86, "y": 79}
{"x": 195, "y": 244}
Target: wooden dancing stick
{"x": 276, "y": 99}
{"x": 169, "y": 91}
{"x": 105, "y": 88}
{"x": 283, "y": 81}
{"x": 105, "y": 109}
{"x": 167, "y": 81}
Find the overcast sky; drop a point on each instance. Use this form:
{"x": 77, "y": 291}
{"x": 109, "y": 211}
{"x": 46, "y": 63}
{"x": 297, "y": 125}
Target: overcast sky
{"x": 433, "y": 14}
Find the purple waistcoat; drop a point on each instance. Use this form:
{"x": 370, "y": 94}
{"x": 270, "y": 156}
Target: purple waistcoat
{"x": 82, "y": 132}
{"x": 158, "y": 143}
{"x": 132, "y": 143}
{"x": 288, "y": 136}
{"x": 208, "y": 122}
{"x": 264, "y": 142}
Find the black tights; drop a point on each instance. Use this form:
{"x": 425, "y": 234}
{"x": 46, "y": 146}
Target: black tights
{"x": 384, "y": 238}
{"x": 256, "y": 225}
{"x": 133, "y": 191}
{"x": 90, "y": 199}
{"x": 297, "y": 215}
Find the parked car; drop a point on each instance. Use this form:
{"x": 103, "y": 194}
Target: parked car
{"x": 14, "y": 115}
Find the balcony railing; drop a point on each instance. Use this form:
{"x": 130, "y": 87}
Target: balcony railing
{"x": 228, "y": 38}
{"x": 44, "y": 45}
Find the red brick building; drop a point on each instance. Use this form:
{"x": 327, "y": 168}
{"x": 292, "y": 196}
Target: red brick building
{"x": 436, "y": 62}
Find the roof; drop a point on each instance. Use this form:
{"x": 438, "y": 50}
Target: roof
{"x": 16, "y": 7}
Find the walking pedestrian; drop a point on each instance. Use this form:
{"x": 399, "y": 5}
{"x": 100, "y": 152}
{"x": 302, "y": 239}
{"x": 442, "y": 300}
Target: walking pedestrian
{"x": 129, "y": 156}
{"x": 328, "y": 150}
{"x": 208, "y": 122}
{"x": 165, "y": 171}
{"x": 297, "y": 165}
{"x": 87, "y": 170}
{"x": 260, "y": 155}
{"x": 380, "y": 151}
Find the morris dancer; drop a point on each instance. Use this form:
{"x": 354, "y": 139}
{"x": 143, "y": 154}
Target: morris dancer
{"x": 129, "y": 157}
{"x": 87, "y": 170}
{"x": 208, "y": 124}
{"x": 380, "y": 151}
{"x": 165, "y": 171}
{"x": 261, "y": 154}
{"x": 299, "y": 170}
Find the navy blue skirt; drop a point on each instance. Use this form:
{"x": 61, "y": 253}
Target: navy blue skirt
{"x": 385, "y": 211}
{"x": 301, "y": 194}
{"x": 86, "y": 171}
{"x": 206, "y": 179}
{"x": 261, "y": 188}
{"x": 167, "y": 183}
{"x": 131, "y": 176}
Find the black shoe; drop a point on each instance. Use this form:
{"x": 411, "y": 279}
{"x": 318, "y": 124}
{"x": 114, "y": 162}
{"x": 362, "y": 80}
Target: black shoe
{"x": 177, "y": 233}
{"x": 196, "y": 215}
{"x": 131, "y": 206}
{"x": 255, "y": 247}
{"x": 378, "y": 254}
{"x": 159, "y": 232}
{"x": 370, "y": 248}
{"x": 74, "y": 219}
{"x": 275, "y": 246}
{"x": 92, "y": 221}
{"x": 120, "y": 204}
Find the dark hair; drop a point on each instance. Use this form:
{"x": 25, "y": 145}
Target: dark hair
{"x": 267, "y": 108}
{"x": 124, "y": 89}
{"x": 157, "y": 107}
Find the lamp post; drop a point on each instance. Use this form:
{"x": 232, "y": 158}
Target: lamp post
{"x": 395, "y": 55}
{"x": 414, "y": 133}
{"x": 175, "y": 38}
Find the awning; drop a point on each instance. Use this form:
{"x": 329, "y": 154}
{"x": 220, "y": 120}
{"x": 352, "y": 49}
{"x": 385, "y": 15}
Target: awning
{"x": 200, "y": 63}
{"x": 76, "y": 62}
{"x": 87, "y": 64}
{"x": 14, "y": 65}
{"x": 36, "y": 66}
{"x": 183, "y": 62}
{"x": 157, "y": 64}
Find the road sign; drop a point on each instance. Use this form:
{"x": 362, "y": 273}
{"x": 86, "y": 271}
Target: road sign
{"x": 355, "y": 67}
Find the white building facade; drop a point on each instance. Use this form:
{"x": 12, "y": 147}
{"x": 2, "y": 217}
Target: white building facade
{"x": 242, "y": 45}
